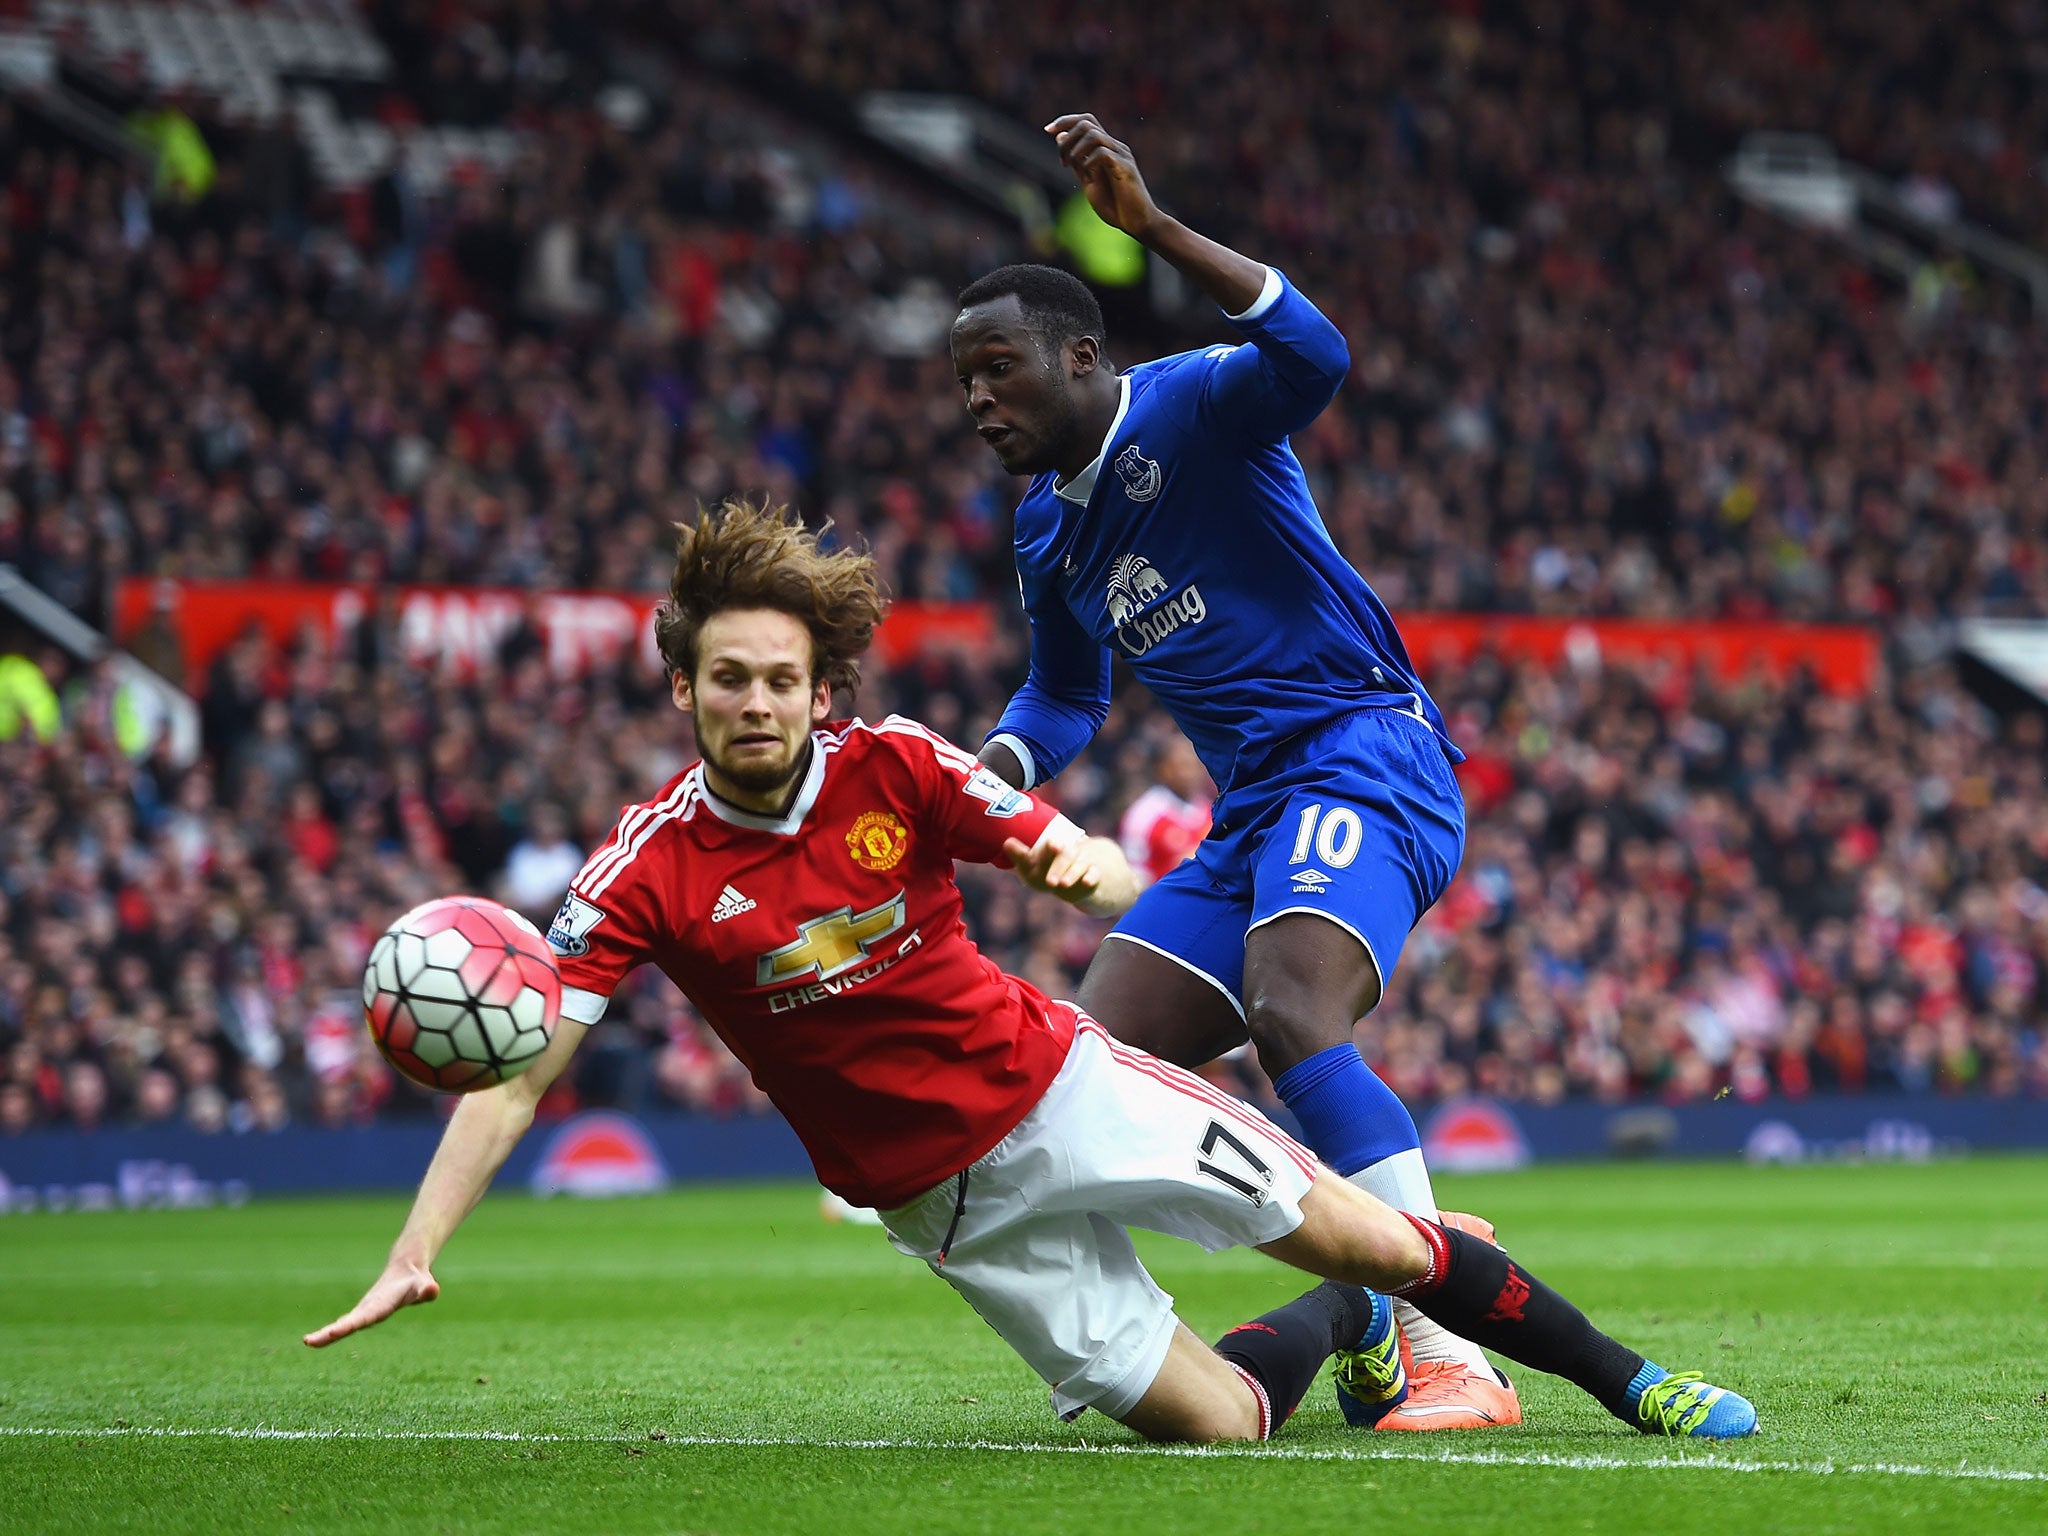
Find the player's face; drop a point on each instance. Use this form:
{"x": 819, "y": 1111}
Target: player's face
{"x": 754, "y": 701}
{"x": 1017, "y": 386}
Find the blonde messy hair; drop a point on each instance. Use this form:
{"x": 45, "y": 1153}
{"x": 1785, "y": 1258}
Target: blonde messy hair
{"x": 746, "y": 554}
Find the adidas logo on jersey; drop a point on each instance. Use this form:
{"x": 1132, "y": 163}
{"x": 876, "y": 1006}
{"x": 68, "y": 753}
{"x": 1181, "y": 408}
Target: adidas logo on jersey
{"x": 1312, "y": 882}
{"x": 730, "y": 903}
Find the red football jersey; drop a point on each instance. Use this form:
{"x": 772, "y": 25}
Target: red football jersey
{"x": 1160, "y": 830}
{"x": 826, "y": 948}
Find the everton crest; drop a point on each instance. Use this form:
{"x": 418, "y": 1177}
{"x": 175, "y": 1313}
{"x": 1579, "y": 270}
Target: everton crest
{"x": 1140, "y": 475}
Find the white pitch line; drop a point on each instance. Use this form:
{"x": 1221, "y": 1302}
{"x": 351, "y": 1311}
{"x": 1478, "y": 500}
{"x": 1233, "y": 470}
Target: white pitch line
{"x": 1704, "y": 1463}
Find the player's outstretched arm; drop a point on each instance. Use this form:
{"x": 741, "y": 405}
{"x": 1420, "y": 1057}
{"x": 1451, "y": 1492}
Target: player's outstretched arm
{"x": 1090, "y": 872}
{"x": 1297, "y": 361}
{"x": 1108, "y": 173}
{"x": 485, "y": 1128}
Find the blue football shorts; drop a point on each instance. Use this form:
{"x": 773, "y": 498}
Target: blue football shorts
{"x": 1361, "y": 823}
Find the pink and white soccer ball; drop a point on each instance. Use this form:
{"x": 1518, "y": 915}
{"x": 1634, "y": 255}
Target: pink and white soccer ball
{"x": 461, "y": 994}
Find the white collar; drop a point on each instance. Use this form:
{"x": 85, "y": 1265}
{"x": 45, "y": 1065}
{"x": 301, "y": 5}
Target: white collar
{"x": 787, "y": 823}
{"x": 1082, "y": 486}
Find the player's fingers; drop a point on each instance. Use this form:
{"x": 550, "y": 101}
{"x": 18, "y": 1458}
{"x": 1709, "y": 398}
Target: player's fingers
{"x": 340, "y": 1328}
{"x": 1076, "y": 143}
{"x": 1068, "y": 120}
{"x": 1110, "y": 159}
{"x": 1084, "y": 145}
{"x": 1025, "y": 859}
{"x": 1074, "y": 871}
{"x": 378, "y": 1303}
{"x": 1105, "y": 169}
{"x": 1029, "y": 862}
{"x": 1080, "y": 881}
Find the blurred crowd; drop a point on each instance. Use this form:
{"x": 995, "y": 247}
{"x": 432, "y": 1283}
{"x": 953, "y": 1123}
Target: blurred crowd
{"x": 1585, "y": 378}
{"x": 419, "y": 390}
{"x": 1671, "y": 888}
{"x": 1675, "y": 889}
{"x": 1585, "y": 381}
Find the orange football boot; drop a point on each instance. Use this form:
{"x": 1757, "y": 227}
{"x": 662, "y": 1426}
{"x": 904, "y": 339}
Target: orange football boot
{"x": 1448, "y": 1394}
{"x": 1475, "y": 1226}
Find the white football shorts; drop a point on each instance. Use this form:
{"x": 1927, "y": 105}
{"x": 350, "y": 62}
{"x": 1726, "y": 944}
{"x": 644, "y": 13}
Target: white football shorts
{"x": 1121, "y": 1139}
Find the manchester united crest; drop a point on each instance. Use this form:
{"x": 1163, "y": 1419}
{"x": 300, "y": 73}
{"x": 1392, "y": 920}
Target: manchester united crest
{"x": 877, "y": 840}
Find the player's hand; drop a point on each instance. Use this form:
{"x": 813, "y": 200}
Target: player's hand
{"x": 1107, "y": 171}
{"x": 1072, "y": 873}
{"x": 401, "y": 1285}
{"x": 1090, "y": 872}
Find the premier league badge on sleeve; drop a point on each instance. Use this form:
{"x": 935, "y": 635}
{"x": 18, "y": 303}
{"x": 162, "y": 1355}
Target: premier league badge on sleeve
{"x": 569, "y": 933}
{"x": 1002, "y": 801}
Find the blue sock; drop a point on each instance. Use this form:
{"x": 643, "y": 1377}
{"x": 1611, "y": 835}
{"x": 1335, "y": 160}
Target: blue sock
{"x": 1729, "y": 1415}
{"x": 1646, "y": 1378}
{"x": 1347, "y": 1114}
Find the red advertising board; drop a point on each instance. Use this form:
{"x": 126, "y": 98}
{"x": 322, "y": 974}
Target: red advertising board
{"x": 453, "y": 626}
{"x": 1843, "y": 658}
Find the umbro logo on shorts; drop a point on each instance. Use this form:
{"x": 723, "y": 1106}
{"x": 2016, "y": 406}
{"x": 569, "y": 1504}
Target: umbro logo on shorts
{"x": 730, "y": 903}
{"x": 1313, "y": 882}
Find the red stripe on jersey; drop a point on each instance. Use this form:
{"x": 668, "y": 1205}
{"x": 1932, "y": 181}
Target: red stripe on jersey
{"x": 1246, "y": 1117}
{"x": 628, "y": 838}
{"x": 1183, "y": 1081}
{"x": 679, "y": 805}
{"x": 614, "y": 845}
{"x": 945, "y": 751}
{"x": 1201, "y": 1088}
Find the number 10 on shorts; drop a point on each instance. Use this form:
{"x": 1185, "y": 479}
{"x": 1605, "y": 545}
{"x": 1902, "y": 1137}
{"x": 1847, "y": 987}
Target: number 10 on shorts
{"x": 1335, "y": 841}
{"x": 1218, "y": 1136}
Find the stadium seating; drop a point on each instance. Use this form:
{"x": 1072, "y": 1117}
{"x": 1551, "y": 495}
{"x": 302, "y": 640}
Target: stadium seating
{"x": 1584, "y": 383}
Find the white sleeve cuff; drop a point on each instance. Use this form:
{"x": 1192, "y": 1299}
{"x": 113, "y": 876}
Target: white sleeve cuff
{"x": 583, "y": 1007}
{"x": 1268, "y": 297}
{"x": 1023, "y": 756}
{"x": 1060, "y": 834}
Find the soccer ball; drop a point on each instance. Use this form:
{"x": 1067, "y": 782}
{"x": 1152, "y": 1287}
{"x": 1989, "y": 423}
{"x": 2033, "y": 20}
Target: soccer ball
{"x": 461, "y": 994}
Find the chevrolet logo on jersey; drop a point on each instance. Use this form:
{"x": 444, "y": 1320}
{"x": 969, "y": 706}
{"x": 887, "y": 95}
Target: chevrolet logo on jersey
{"x": 828, "y": 945}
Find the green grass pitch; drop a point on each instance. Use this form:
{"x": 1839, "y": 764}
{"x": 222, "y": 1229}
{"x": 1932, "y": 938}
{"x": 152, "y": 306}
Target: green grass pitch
{"x": 721, "y": 1360}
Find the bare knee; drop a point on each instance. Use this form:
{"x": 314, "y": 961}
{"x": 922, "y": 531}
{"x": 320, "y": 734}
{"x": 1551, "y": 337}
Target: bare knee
{"x": 1307, "y": 982}
{"x": 1288, "y": 1025}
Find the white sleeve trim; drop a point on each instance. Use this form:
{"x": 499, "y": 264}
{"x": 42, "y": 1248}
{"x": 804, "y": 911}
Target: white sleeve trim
{"x": 1268, "y": 297}
{"x": 1023, "y": 756}
{"x": 583, "y": 1007}
{"x": 1060, "y": 834}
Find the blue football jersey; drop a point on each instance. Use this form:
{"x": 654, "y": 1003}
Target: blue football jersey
{"x": 1201, "y": 559}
